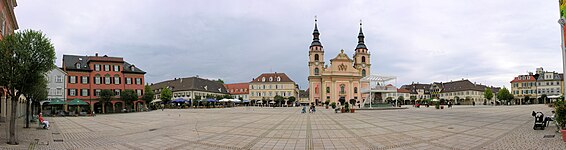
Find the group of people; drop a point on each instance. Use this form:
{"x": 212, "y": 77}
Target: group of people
{"x": 312, "y": 109}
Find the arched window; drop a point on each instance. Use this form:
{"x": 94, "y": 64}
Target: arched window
{"x": 363, "y": 59}
{"x": 316, "y": 72}
{"x": 116, "y": 79}
{"x": 342, "y": 87}
{"x": 270, "y": 79}
{"x": 262, "y": 79}
{"x": 355, "y": 89}
{"x": 363, "y": 73}
{"x": 316, "y": 57}
{"x": 327, "y": 89}
{"x": 278, "y": 78}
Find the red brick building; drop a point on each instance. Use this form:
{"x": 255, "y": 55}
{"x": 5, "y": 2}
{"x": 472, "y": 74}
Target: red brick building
{"x": 88, "y": 75}
{"x": 8, "y": 25}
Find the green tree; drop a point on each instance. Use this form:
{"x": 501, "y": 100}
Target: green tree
{"x": 24, "y": 56}
{"x": 166, "y": 95}
{"x": 389, "y": 98}
{"x": 220, "y": 80}
{"x": 488, "y": 94}
{"x": 148, "y": 95}
{"x": 401, "y": 98}
{"x": 413, "y": 98}
{"x": 37, "y": 93}
{"x": 128, "y": 96}
{"x": 278, "y": 99}
{"x": 504, "y": 94}
{"x": 105, "y": 97}
{"x": 292, "y": 99}
{"x": 543, "y": 97}
{"x": 219, "y": 97}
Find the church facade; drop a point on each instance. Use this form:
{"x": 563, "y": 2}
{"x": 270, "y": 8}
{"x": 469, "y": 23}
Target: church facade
{"x": 340, "y": 80}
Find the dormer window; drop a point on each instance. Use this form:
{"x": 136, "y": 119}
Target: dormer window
{"x": 78, "y": 65}
{"x": 262, "y": 79}
{"x": 270, "y": 79}
{"x": 132, "y": 68}
{"x": 278, "y": 78}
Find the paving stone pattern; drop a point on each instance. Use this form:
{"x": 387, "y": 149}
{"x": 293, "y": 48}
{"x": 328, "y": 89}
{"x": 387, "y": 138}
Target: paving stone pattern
{"x": 462, "y": 127}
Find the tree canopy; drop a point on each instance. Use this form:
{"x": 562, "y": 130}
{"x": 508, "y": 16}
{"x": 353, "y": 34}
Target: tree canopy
{"x": 504, "y": 94}
{"x": 105, "y": 97}
{"x": 148, "y": 95}
{"x": 166, "y": 95}
{"x": 488, "y": 94}
{"x": 24, "y": 57}
{"x": 128, "y": 96}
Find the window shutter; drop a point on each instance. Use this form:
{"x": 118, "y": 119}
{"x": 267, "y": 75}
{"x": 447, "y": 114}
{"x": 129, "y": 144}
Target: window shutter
{"x": 87, "y": 92}
{"x": 69, "y": 79}
{"x": 68, "y": 92}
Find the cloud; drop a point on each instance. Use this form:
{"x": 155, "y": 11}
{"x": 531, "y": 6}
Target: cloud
{"x": 422, "y": 41}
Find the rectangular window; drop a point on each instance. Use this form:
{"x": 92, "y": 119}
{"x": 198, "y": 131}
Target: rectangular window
{"x": 107, "y": 80}
{"x": 59, "y": 79}
{"x": 96, "y": 92}
{"x": 117, "y": 92}
{"x": 72, "y": 92}
{"x": 72, "y": 79}
{"x": 128, "y": 80}
{"x": 84, "y": 79}
{"x": 84, "y": 92}
{"x": 97, "y": 80}
{"x": 116, "y": 80}
{"x": 116, "y": 68}
{"x": 139, "y": 92}
{"x": 59, "y": 91}
{"x": 138, "y": 81}
{"x": 96, "y": 67}
{"x": 106, "y": 67}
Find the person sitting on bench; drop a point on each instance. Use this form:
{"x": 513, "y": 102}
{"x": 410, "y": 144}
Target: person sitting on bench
{"x": 44, "y": 122}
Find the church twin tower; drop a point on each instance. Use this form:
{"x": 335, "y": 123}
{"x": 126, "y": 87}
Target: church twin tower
{"x": 340, "y": 81}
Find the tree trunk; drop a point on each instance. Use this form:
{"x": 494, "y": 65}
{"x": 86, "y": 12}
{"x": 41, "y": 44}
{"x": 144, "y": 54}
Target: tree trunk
{"x": 103, "y": 107}
{"x": 12, "y": 135}
{"x": 27, "y": 113}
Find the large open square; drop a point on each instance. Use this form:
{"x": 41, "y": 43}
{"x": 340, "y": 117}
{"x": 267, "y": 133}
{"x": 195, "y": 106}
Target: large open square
{"x": 462, "y": 127}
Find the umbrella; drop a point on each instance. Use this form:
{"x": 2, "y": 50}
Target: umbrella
{"x": 224, "y": 100}
{"x": 246, "y": 101}
{"x": 272, "y": 102}
{"x": 155, "y": 101}
{"x": 179, "y": 100}
{"x": 435, "y": 100}
{"x": 259, "y": 101}
{"x": 57, "y": 102}
{"x": 211, "y": 100}
{"x": 77, "y": 101}
{"x": 235, "y": 100}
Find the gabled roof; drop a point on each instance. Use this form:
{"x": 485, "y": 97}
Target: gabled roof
{"x": 415, "y": 86}
{"x": 524, "y": 78}
{"x": 191, "y": 84}
{"x": 341, "y": 56}
{"x": 401, "y": 90}
{"x": 238, "y": 88}
{"x": 272, "y": 77}
{"x": 70, "y": 63}
{"x": 461, "y": 85}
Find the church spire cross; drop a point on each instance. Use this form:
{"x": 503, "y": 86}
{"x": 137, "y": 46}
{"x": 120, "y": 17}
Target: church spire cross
{"x": 361, "y": 36}
{"x": 315, "y": 34}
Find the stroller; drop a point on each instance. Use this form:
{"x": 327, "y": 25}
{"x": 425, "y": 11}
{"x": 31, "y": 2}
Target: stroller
{"x": 539, "y": 121}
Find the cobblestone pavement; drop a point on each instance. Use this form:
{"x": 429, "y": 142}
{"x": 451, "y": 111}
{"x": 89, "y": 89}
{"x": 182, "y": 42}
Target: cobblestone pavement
{"x": 462, "y": 127}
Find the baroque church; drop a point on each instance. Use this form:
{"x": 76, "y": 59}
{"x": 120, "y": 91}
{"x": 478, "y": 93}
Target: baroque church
{"x": 340, "y": 80}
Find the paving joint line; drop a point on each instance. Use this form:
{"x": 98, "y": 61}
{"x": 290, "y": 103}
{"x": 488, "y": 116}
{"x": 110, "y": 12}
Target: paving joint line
{"x": 255, "y": 140}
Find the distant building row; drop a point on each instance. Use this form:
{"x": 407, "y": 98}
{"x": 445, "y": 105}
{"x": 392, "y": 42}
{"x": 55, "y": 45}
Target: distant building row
{"x": 264, "y": 87}
{"x": 461, "y": 91}
{"x": 534, "y": 87}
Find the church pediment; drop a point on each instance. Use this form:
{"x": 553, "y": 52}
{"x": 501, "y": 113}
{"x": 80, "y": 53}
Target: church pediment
{"x": 342, "y": 56}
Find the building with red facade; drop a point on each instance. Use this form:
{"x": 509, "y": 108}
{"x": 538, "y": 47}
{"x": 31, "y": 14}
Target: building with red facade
{"x": 238, "y": 90}
{"x": 88, "y": 75}
{"x": 8, "y": 25}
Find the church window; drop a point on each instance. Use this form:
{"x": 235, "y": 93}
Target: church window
{"x": 342, "y": 91}
{"x": 327, "y": 89}
{"x": 316, "y": 72}
{"x": 355, "y": 89}
{"x": 363, "y": 59}
{"x": 316, "y": 57}
{"x": 363, "y": 73}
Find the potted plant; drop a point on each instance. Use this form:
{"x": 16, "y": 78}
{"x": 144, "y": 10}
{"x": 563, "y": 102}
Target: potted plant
{"x": 327, "y": 102}
{"x": 437, "y": 105}
{"x": 347, "y": 107}
{"x": 333, "y": 104}
{"x": 560, "y": 116}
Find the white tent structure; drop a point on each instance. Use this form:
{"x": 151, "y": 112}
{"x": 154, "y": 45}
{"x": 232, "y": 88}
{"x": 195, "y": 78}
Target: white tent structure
{"x": 377, "y": 84}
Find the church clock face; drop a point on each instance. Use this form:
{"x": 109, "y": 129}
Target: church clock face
{"x": 316, "y": 63}
{"x": 364, "y": 65}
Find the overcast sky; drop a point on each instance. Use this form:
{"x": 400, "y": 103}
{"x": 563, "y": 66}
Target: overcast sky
{"x": 486, "y": 41}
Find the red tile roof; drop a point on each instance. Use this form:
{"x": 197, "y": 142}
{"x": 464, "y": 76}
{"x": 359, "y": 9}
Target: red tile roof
{"x": 524, "y": 78}
{"x": 402, "y": 90}
{"x": 272, "y": 77}
{"x": 238, "y": 88}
